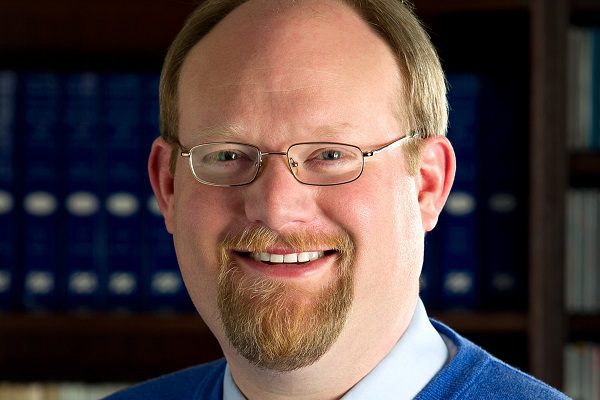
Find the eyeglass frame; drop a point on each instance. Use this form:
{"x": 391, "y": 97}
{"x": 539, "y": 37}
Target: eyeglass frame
{"x": 365, "y": 154}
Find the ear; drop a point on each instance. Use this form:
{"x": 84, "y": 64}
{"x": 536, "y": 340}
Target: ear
{"x": 162, "y": 180}
{"x": 437, "y": 166}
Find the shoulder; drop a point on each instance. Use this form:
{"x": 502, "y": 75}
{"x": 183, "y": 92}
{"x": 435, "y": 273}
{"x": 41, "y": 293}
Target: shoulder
{"x": 473, "y": 373}
{"x": 200, "y": 382}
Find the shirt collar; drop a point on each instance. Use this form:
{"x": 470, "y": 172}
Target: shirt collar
{"x": 417, "y": 357}
{"x": 230, "y": 389}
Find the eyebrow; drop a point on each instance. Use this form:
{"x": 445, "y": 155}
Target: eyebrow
{"x": 218, "y": 133}
{"x": 235, "y": 133}
{"x": 332, "y": 132}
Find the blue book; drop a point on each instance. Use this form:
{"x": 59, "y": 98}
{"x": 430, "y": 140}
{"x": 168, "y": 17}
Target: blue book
{"x": 504, "y": 186}
{"x": 8, "y": 209}
{"x": 163, "y": 281}
{"x": 430, "y": 279}
{"x": 459, "y": 251}
{"x": 42, "y": 190}
{"x": 121, "y": 104}
{"x": 163, "y": 285}
{"x": 83, "y": 224}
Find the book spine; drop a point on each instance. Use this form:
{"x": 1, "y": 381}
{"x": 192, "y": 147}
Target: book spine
{"x": 503, "y": 193}
{"x": 582, "y": 253}
{"x": 595, "y": 239}
{"x": 584, "y": 104}
{"x": 571, "y": 253}
{"x": 42, "y": 191}
{"x": 121, "y": 114}
{"x": 460, "y": 242}
{"x": 578, "y": 250}
{"x": 595, "y": 372}
{"x": 573, "y": 59}
{"x": 430, "y": 278}
{"x": 590, "y": 219}
{"x": 595, "y": 103}
{"x": 572, "y": 370}
{"x": 8, "y": 256}
{"x": 84, "y": 230}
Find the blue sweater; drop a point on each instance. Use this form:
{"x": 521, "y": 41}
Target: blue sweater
{"x": 471, "y": 374}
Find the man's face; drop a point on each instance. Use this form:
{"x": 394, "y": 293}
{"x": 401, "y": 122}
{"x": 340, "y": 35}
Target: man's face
{"x": 311, "y": 72}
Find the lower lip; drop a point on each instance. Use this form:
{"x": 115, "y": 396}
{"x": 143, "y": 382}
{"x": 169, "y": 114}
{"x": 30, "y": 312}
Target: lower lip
{"x": 287, "y": 271}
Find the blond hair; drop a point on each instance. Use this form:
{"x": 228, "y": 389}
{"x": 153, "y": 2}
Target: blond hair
{"x": 394, "y": 20}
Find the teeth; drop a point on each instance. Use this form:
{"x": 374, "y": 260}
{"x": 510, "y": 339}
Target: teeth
{"x": 276, "y": 258}
{"x": 303, "y": 257}
{"x": 291, "y": 258}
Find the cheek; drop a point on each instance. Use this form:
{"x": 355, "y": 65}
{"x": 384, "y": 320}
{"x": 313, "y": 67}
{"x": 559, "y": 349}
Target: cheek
{"x": 200, "y": 215}
{"x": 383, "y": 218}
{"x": 385, "y": 213}
{"x": 202, "y": 212}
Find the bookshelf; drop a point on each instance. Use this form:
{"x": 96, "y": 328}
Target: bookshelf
{"x": 135, "y": 34}
{"x": 129, "y": 348}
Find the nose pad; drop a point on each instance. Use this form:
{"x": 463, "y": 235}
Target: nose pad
{"x": 263, "y": 163}
{"x": 293, "y": 164}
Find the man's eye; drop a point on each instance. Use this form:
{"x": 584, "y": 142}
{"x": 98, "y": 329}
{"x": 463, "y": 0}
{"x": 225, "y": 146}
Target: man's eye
{"x": 327, "y": 155}
{"x": 227, "y": 156}
{"x": 221, "y": 156}
{"x": 331, "y": 155}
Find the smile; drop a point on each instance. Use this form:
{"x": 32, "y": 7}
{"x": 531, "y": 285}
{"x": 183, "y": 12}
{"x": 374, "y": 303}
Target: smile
{"x": 290, "y": 258}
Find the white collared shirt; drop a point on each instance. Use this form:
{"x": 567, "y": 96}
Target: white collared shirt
{"x": 402, "y": 374}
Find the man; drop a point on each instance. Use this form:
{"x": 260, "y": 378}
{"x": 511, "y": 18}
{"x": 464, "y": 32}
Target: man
{"x": 302, "y": 158}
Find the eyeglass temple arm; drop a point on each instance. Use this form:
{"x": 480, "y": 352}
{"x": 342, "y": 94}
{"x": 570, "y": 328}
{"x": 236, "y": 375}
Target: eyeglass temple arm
{"x": 184, "y": 152}
{"x": 388, "y": 146}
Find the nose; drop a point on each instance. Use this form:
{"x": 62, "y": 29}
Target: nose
{"x": 276, "y": 199}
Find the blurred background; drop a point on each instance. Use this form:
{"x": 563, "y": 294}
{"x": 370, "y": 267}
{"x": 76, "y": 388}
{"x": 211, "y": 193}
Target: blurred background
{"x": 90, "y": 294}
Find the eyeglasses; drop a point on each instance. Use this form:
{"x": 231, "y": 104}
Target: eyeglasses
{"x": 312, "y": 163}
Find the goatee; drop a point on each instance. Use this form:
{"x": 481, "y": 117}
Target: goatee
{"x": 276, "y": 325}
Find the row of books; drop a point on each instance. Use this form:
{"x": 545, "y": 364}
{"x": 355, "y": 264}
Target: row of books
{"x": 583, "y": 251}
{"x": 56, "y": 391}
{"x": 582, "y": 371}
{"x": 477, "y": 255}
{"x": 79, "y": 228}
{"x": 583, "y": 89}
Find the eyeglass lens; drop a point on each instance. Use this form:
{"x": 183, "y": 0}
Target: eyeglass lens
{"x": 230, "y": 164}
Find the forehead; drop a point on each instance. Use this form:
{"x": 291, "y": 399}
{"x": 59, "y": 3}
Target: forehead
{"x": 291, "y": 57}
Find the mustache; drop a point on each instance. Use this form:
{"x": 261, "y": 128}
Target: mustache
{"x": 259, "y": 238}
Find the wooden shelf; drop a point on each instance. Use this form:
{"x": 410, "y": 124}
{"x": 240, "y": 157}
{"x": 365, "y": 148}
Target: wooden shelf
{"x": 585, "y": 325}
{"x": 130, "y": 348}
{"x": 581, "y": 6}
{"x": 147, "y": 26}
{"x": 124, "y": 348}
{"x": 482, "y": 322}
{"x": 584, "y": 169}
{"x": 429, "y": 7}
{"x": 98, "y": 26}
